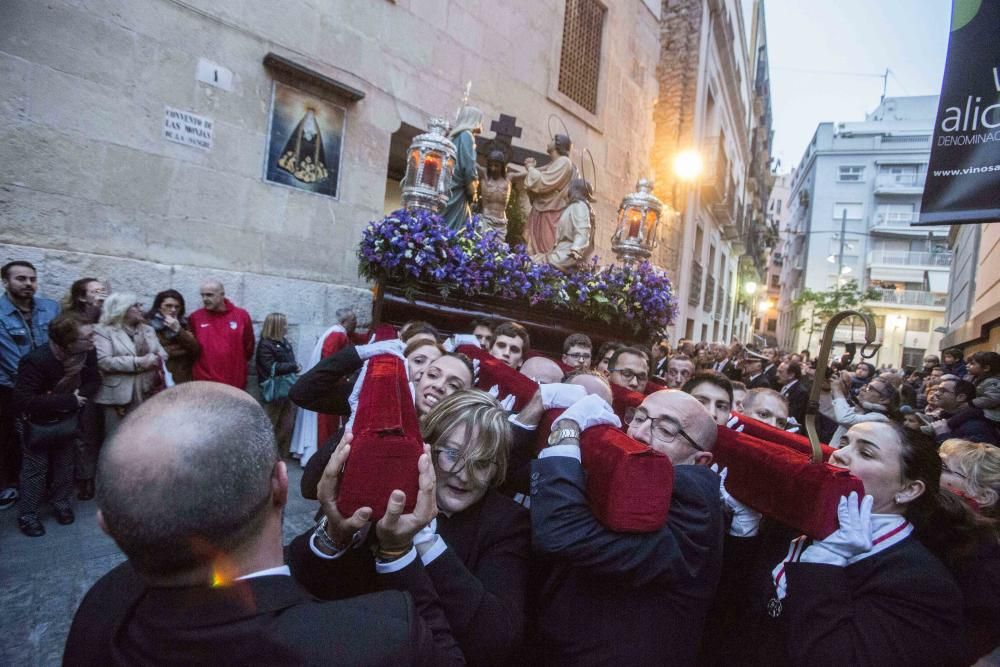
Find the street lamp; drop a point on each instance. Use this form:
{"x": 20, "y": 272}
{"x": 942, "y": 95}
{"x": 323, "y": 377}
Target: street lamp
{"x": 688, "y": 165}
{"x": 750, "y": 288}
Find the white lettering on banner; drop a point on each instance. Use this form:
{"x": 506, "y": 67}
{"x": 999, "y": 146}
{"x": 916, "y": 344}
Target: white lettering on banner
{"x": 187, "y": 128}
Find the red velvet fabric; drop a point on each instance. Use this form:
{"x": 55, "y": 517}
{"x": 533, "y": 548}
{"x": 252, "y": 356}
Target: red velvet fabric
{"x": 628, "y": 484}
{"x": 623, "y": 400}
{"x": 780, "y": 482}
{"x": 796, "y": 441}
{"x": 387, "y": 441}
{"x": 492, "y": 371}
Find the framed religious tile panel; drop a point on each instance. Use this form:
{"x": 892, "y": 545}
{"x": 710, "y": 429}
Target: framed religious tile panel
{"x": 304, "y": 141}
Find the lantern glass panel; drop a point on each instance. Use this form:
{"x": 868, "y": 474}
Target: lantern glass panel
{"x": 412, "y": 167}
{"x": 634, "y": 217}
{"x": 432, "y": 170}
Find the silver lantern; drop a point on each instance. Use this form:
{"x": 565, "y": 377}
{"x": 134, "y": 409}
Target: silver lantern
{"x": 635, "y": 235}
{"x": 430, "y": 162}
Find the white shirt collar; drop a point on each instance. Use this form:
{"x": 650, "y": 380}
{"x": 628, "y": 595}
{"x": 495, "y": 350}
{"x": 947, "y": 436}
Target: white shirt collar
{"x": 281, "y": 570}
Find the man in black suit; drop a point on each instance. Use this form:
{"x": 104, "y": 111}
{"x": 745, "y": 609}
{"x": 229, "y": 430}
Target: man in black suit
{"x": 191, "y": 488}
{"x": 627, "y": 598}
{"x": 724, "y": 363}
{"x": 790, "y": 376}
{"x": 753, "y": 371}
{"x": 771, "y": 367}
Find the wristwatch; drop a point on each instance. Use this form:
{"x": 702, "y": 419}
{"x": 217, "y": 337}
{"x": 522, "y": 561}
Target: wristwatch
{"x": 564, "y": 434}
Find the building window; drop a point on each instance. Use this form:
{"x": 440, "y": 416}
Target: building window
{"x": 918, "y": 325}
{"x": 854, "y": 210}
{"x": 913, "y": 357}
{"x": 775, "y": 281}
{"x": 580, "y": 60}
{"x": 772, "y": 325}
{"x": 851, "y": 174}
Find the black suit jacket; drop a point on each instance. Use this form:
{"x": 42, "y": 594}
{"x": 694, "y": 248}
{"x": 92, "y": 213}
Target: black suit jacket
{"x": 771, "y": 373}
{"x": 731, "y": 371}
{"x": 481, "y": 579}
{"x": 266, "y": 620}
{"x": 898, "y": 607}
{"x": 326, "y": 386}
{"x": 798, "y": 400}
{"x": 759, "y": 382}
{"x": 624, "y": 598}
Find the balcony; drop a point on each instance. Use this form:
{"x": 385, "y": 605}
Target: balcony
{"x": 923, "y": 260}
{"x": 910, "y": 298}
{"x": 899, "y": 184}
{"x": 709, "y": 293}
{"x": 715, "y": 180}
{"x": 899, "y": 224}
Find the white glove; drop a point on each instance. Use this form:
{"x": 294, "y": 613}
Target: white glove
{"x": 455, "y": 341}
{"x": 558, "y": 395}
{"x": 746, "y": 520}
{"x": 494, "y": 391}
{"x": 508, "y": 402}
{"x": 591, "y": 410}
{"x": 735, "y": 424}
{"x": 394, "y": 347}
{"x": 426, "y": 534}
{"x": 852, "y": 538}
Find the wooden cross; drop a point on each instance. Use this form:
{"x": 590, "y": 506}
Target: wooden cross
{"x": 505, "y": 130}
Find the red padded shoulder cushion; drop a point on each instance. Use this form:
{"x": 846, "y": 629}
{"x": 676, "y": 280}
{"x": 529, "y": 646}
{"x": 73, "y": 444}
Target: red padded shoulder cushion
{"x": 623, "y": 400}
{"x": 782, "y": 483}
{"x": 628, "y": 484}
{"x": 387, "y": 441}
{"x": 799, "y": 443}
{"x": 492, "y": 371}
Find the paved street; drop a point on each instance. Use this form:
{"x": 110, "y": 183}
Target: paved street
{"x": 43, "y": 579}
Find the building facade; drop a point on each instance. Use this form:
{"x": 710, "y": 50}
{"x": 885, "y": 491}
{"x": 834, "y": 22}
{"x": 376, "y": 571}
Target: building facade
{"x": 852, "y": 199}
{"x": 138, "y": 139}
{"x": 973, "y": 316}
{"x": 768, "y": 293}
{"x": 714, "y": 100}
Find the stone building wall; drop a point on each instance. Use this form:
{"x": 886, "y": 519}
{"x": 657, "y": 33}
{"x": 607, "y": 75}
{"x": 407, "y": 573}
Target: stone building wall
{"x": 88, "y": 184}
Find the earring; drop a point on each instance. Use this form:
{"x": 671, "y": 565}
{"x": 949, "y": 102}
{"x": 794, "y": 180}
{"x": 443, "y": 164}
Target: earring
{"x": 898, "y": 501}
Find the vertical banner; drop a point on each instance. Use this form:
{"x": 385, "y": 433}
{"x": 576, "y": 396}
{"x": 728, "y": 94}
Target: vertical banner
{"x": 963, "y": 177}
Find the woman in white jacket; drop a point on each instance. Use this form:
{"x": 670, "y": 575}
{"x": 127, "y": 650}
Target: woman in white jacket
{"x": 129, "y": 356}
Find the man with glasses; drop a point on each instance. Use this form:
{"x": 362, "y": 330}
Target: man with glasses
{"x": 959, "y": 418}
{"x": 577, "y": 350}
{"x": 628, "y": 368}
{"x": 659, "y": 584}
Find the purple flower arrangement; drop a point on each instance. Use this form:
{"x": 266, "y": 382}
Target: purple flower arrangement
{"x": 413, "y": 247}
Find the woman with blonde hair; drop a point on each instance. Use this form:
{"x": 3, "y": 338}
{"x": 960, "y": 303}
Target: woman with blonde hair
{"x": 129, "y": 356}
{"x": 276, "y": 372}
{"x": 474, "y": 554}
{"x": 972, "y": 471}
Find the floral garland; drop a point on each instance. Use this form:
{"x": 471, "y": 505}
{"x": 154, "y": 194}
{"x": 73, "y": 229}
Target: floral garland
{"x": 412, "y": 247}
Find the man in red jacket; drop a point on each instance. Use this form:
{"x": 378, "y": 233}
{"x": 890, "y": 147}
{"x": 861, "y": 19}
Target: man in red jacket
{"x": 225, "y": 334}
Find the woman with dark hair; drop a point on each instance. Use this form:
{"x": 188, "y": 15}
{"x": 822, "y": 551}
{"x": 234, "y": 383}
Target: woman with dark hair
{"x": 85, "y": 297}
{"x": 53, "y": 383}
{"x": 174, "y": 333}
{"x": 875, "y": 591}
{"x": 474, "y": 555}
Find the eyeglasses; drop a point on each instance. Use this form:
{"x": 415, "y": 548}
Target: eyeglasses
{"x": 886, "y": 391}
{"x": 579, "y": 356}
{"x": 451, "y": 460}
{"x": 663, "y": 428}
{"x": 628, "y": 374}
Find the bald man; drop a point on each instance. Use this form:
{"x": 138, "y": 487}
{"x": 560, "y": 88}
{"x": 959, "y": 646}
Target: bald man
{"x": 629, "y": 598}
{"x": 542, "y": 370}
{"x": 225, "y": 333}
{"x": 191, "y": 488}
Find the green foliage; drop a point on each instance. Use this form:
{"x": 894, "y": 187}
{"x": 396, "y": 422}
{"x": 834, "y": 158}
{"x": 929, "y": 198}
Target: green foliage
{"x": 822, "y": 305}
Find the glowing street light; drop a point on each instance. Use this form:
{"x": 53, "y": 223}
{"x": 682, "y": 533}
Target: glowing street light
{"x": 688, "y": 165}
{"x": 765, "y": 305}
{"x": 750, "y": 288}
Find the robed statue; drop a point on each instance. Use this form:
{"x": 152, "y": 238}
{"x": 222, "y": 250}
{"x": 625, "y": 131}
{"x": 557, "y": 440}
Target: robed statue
{"x": 574, "y": 242}
{"x": 465, "y": 178}
{"x": 548, "y": 189}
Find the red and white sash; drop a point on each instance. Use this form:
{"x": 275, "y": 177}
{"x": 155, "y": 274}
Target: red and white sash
{"x": 887, "y": 530}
